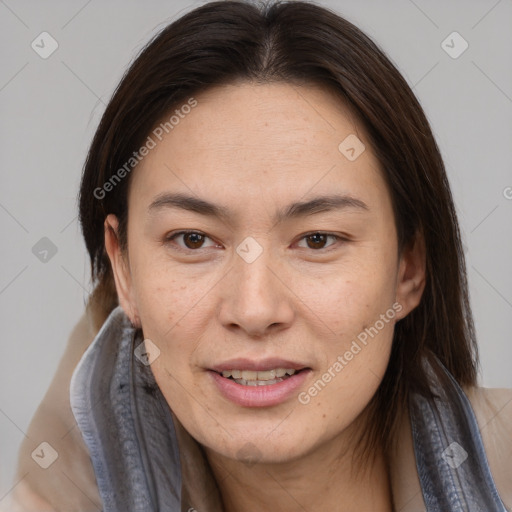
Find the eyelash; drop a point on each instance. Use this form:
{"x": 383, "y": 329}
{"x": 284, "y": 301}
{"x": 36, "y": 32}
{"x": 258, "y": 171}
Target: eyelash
{"x": 171, "y": 237}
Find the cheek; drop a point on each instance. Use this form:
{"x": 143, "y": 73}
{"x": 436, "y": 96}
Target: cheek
{"x": 354, "y": 310}
{"x": 166, "y": 295}
{"x": 349, "y": 298}
{"x": 170, "y": 315}
{"x": 355, "y": 364}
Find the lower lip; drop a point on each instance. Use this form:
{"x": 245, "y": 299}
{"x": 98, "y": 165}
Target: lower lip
{"x": 260, "y": 396}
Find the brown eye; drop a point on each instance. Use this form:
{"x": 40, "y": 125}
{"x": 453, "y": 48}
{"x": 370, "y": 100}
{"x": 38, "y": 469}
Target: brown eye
{"x": 189, "y": 240}
{"x": 193, "y": 240}
{"x": 316, "y": 240}
{"x": 319, "y": 240}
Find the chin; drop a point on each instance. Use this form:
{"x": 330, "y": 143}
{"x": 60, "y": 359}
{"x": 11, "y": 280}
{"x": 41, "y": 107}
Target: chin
{"x": 263, "y": 451}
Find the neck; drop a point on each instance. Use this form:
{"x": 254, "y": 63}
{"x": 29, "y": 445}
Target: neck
{"x": 322, "y": 480}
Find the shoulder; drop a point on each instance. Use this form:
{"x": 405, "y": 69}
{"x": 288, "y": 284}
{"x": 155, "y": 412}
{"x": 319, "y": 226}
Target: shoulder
{"x": 69, "y": 482}
{"x": 493, "y": 411}
{"x": 24, "y": 499}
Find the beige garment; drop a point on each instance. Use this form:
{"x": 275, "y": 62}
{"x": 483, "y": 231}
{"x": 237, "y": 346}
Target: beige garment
{"x": 69, "y": 484}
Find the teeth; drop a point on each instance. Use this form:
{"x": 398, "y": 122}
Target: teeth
{"x": 257, "y": 382}
{"x": 267, "y": 375}
{"x": 252, "y": 378}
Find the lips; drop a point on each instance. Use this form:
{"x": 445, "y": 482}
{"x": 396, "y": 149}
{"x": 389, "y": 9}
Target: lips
{"x": 258, "y": 366}
{"x": 264, "y": 383}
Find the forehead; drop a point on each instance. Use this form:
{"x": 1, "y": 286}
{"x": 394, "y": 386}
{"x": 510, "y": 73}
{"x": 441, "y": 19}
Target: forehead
{"x": 261, "y": 141}
{"x": 266, "y": 119}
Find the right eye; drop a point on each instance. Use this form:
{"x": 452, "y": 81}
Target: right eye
{"x": 191, "y": 240}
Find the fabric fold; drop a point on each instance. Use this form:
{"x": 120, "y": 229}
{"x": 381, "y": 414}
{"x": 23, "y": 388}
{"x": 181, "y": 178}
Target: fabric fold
{"x": 450, "y": 457}
{"x": 126, "y": 423}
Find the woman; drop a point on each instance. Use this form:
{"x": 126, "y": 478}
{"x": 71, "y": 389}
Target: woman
{"x": 281, "y": 301}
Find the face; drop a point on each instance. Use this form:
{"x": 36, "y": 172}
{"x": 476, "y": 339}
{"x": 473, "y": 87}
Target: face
{"x": 292, "y": 264}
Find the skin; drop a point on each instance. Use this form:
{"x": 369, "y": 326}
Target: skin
{"x": 255, "y": 149}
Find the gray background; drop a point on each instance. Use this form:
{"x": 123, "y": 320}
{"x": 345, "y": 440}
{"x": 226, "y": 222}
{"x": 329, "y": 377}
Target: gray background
{"x": 50, "y": 108}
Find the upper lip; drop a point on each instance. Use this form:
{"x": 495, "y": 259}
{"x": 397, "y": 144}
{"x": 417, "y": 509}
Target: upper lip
{"x": 258, "y": 366}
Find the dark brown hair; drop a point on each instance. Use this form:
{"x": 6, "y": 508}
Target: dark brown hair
{"x": 226, "y": 41}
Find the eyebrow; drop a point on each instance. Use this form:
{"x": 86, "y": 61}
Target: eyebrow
{"x": 294, "y": 210}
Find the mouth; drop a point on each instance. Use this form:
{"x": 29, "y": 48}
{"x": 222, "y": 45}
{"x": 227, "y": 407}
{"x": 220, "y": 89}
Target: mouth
{"x": 259, "y": 378}
{"x": 266, "y": 383}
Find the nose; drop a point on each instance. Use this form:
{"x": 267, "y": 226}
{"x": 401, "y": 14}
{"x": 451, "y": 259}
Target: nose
{"x": 256, "y": 299}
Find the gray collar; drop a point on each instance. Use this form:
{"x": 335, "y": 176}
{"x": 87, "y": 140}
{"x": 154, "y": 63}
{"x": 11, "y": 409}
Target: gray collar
{"x": 126, "y": 423}
{"x": 450, "y": 457}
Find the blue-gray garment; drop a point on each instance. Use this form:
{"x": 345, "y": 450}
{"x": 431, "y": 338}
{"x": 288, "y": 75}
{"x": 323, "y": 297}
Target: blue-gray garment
{"x": 128, "y": 428}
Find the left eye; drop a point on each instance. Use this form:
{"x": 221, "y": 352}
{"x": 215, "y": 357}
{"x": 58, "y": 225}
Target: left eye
{"x": 318, "y": 240}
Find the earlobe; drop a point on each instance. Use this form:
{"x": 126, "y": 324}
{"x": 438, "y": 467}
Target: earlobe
{"x": 120, "y": 269}
{"x": 411, "y": 275}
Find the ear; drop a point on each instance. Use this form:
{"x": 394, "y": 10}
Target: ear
{"x": 120, "y": 269}
{"x": 411, "y": 275}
